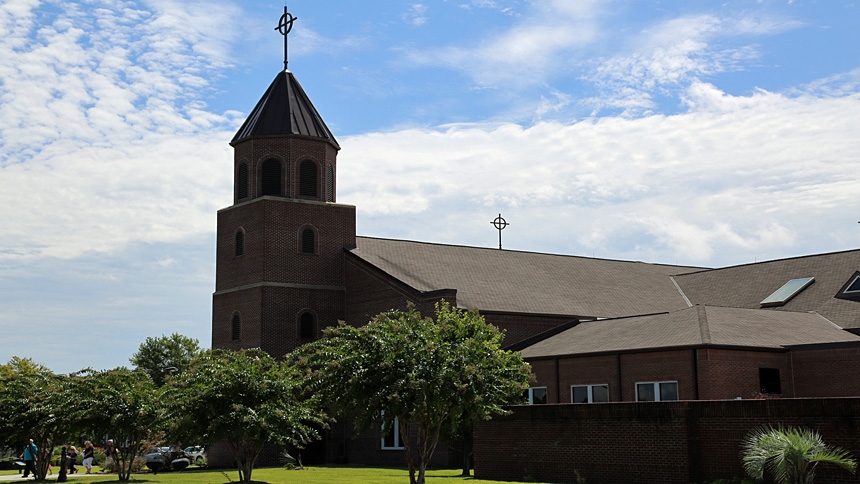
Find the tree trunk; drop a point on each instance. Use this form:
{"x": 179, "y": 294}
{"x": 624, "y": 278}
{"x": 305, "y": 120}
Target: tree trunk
{"x": 407, "y": 446}
{"x": 43, "y": 460}
{"x": 467, "y": 454}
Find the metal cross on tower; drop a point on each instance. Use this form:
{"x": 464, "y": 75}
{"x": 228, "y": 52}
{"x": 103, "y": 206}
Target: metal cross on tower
{"x": 500, "y": 224}
{"x": 284, "y": 27}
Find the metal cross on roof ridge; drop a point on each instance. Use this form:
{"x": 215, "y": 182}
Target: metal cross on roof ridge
{"x": 500, "y": 224}
{"x": 285, "y": 25}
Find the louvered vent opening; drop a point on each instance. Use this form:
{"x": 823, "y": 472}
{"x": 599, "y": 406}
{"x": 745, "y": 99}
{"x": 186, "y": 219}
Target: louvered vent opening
{"x": 242, "y": 182}
{"x": 329, "y": 196}
{"x": 240, "y": 243}
{"x": 306, "y": 326}
{"x": 308, "y": 179}
{"x": 308, "y": 241}
{"x": 271, "y": 177}
{"x": 237, "y": 323}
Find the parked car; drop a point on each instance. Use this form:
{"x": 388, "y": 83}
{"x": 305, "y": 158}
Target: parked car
{"x": 167, "y": 460}
{"x": 196, "y": 454}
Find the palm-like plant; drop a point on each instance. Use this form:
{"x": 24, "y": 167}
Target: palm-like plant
{"x": 790, "y": 454}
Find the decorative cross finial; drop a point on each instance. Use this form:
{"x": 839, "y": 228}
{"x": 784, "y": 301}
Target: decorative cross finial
{"x": 500, "y": 224}
{"x": 284, "y": 27}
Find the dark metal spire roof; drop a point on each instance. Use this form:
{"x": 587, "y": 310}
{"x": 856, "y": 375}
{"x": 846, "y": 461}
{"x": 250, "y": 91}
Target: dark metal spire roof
{"x": 284, "y": 109}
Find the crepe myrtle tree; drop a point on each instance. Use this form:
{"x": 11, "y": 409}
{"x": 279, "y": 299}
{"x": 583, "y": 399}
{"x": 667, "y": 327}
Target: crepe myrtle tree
{"x": 426, "y": 374}
{"x": 36, "y": 403}
{"x": 245, "y": 398}
{"x": 126, "y": 406}
{"x": 489, "y": 376}
{"x": 165, "y": 356}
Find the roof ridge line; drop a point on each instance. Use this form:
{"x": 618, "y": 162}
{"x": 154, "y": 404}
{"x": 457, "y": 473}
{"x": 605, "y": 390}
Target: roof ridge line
{"x": 704, "y": 329}
{"x": 681, "y": 291}
{"x": 518, "y": 251}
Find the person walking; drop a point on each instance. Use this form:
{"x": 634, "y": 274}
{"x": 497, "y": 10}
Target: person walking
{"x": 73, "y": 459}
{"x": 88, "y": 456}
{"x": 29, "y": 457}
{"x": 111, "y": 461}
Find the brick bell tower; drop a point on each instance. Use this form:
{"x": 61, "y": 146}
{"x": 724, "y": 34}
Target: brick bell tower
{"x": 280, "y": 247}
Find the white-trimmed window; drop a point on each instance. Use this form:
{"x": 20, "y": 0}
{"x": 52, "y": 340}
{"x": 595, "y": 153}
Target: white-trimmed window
{"x": 589, "y": 393}
{"x": 391, "y": 439}
{"x": 656, "y": 391}
{"x": 537, "y": 395}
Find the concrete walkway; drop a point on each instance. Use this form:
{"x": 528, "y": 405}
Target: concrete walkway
{"x": 53, "y": 477}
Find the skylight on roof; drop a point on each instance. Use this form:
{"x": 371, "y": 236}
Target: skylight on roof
{"x": 786, "y": 292}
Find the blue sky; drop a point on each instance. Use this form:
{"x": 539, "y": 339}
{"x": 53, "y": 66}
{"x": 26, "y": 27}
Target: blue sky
{"x": 700, "y": 133}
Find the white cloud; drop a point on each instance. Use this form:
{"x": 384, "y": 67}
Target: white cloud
{"x": 758, "y": 174}
{"x": 535, "y": 44}
{"x": 676, "y": 53}
{"x": 104, "y": 140}
{"x": 417, "y": 14}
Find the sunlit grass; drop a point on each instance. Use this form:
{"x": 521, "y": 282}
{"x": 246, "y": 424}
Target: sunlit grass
{"x": 277, "y": 475}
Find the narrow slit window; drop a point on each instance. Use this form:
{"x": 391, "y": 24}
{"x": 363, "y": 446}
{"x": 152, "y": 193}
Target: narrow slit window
{"x": 308, "y": 179}
{"x": 237, "y": 327}
{"x": 242, "y": 181}
{"x": 329, "y": 196}
{"x": 306, "y": 326}
{"x": 308, "y": 241}
{"x": 240, "y": 243}
{"x": 270, "y": 173}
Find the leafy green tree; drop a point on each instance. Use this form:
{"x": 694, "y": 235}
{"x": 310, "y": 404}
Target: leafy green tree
{"x": 423, "y": 373}
{"x": 126, "y": 406}
{"x": 489, "y": 376}
{"x": 790, "y": 454}
{"x": 165, "y": 356}
{"x": 246, "y": 398}
{"x": 35, "y": 403}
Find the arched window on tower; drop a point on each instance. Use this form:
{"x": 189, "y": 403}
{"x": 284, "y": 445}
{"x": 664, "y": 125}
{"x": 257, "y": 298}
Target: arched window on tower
{"x": 329, "y": 180}
{"x": 240, "y": 243}
{"x": 242, "y": 181}
{"x": 309, "y": 241}
{"x": 270, "y": 177}
{"x": 308, "y": 179}
{"x": 307, "y": 323}
{"x": 237, "y": 327}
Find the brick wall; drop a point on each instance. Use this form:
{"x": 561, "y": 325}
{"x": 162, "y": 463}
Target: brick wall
{"x": 826, "y": 371}
{"x": 706, "y": 373}
{"x": 290, "y": 151}
{"x": 273, "y": 281}
{"x": 654, "y": 442}
{"x": 272, "y": 252}
{"x": 518, "y": 327}
{"x": 368, "y": 293}
{"x": 344, "y": 446}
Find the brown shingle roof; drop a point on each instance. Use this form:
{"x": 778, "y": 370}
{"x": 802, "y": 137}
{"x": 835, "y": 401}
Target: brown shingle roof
{"x": 747, "y": 285}
{"x": 528, "y": 282}
{"x": 695, "y": 326}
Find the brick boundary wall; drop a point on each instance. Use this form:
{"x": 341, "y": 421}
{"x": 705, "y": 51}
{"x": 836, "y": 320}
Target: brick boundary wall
{"x": 651, "y": 442}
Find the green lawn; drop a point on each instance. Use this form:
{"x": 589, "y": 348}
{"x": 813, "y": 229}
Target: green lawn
{"x": 277, "y": 475}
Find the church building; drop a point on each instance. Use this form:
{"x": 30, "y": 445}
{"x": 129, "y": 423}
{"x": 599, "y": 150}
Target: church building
{"x": 289, "y": 264}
